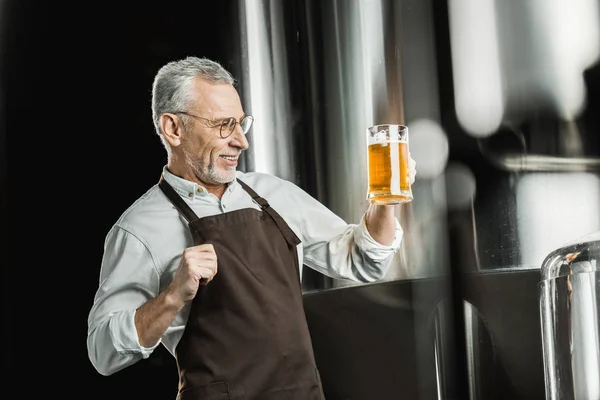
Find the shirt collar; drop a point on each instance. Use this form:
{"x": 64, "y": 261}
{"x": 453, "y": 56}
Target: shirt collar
{"x": 187, "y": 188}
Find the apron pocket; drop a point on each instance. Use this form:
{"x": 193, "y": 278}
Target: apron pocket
{"x": 212, "y": 391}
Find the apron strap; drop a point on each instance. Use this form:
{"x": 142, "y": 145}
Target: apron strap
{"x": 177, "y": 201}
{"x": 191, "y": 216}
{"x": 286, "y": 231}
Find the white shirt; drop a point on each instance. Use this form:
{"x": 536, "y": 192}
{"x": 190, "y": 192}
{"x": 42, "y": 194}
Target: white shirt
{"x": 143, "y": 249}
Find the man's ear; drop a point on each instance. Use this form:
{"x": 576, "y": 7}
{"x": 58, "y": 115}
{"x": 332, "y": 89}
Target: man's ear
{"x": 172, "y": 128}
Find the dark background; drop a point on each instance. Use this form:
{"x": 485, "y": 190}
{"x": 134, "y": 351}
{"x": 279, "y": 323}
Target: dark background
{"x": 76, "y": 120}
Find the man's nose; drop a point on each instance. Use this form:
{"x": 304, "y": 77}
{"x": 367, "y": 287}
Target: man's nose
{"x": 239, "y": 138}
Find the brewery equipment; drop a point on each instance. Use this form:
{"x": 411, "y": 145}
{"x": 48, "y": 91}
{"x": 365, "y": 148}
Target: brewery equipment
{"x": 506, "y": 144}
{"x": 570, "y": 317}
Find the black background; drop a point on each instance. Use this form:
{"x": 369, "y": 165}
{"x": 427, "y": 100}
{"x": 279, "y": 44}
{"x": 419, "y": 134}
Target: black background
{"x": 79, "y": 147}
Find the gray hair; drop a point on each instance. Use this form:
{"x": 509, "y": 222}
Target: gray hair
{"x": 172, "y": 86}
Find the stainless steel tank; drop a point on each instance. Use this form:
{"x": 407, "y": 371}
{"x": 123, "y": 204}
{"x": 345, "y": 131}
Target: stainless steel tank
{"x": 569, "y": 310}
{"x": 490, "y": 201}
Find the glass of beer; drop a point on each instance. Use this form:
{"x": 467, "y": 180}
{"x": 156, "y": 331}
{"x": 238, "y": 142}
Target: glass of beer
{"x": 387, "y": 163}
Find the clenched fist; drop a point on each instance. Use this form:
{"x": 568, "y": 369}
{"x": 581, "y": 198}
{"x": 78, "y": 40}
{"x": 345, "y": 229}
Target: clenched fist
{"x": 198, "y": 266}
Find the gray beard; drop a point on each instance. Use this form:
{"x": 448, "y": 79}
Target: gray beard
{"x": 215, "y": 177}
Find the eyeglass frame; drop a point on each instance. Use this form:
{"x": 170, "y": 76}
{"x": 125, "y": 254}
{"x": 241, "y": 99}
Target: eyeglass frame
{"x": 222, "y": 121}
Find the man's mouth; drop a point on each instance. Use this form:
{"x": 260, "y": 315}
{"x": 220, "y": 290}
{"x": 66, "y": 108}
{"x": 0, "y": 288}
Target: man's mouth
{"x": 231, "y": 161}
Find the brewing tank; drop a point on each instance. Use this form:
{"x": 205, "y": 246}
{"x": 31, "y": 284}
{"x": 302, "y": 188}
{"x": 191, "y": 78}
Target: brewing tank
{"x": 507, "y": 169}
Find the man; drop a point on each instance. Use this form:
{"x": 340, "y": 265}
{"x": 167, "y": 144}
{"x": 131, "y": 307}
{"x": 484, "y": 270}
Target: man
{"x": 207, "y": 261}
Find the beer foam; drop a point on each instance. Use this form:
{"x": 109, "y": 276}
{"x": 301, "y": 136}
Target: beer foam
{"x": 380, "y": 137}
{"x": 385, "y": 142}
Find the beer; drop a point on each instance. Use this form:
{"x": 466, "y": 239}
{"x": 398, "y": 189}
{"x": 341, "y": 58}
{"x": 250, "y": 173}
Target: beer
{"x": 388, "y": 171}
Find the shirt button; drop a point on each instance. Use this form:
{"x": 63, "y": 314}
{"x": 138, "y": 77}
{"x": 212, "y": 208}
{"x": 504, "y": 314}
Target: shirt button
{"x": 191, "y": 194}
{"x": 200, "y": 190}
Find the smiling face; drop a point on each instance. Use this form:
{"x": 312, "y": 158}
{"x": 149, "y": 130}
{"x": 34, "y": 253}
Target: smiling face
{"x": 199, "y": 153}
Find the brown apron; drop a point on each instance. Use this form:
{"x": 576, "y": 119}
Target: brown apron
{"x": 246, "y": 335}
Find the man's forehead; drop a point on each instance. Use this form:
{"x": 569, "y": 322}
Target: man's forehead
{"x": 216, "y": 95}
{"x": 204, "y": 86}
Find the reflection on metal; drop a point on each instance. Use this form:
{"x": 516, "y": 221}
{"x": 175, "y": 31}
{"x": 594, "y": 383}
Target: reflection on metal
{"x": 263, "y": 74}
{"x": 471, "y": 335}
{"x": 518, "y": 162}
{"x": 358, "y": 57}
{"x": 380, "y": 341}
{"x": 480, "y": 355}
{"x": 552, "y": 147}
{"x": 554, "y": 208}
{"x": 316, "y": 74}
{"x": 511, "y": 59}
{"x": 444, "y": 350}
{"x": 374, "y": 62}
{"x": 516, "y": 219}
{"x": 504, "y": 328}
{"x": 570, "y": 320}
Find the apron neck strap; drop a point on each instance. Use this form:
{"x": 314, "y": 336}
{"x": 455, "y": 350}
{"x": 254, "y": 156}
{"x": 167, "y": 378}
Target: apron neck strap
{"x": 177, "y": 201}
{"x": 264, "y": 204}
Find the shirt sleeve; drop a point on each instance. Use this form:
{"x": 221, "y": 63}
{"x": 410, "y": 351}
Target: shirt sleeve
{"x": 128, "y": 279}
{"x": 341, "y": 250}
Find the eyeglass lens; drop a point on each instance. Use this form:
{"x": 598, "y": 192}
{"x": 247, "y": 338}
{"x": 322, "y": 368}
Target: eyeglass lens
{"x": 228, "y": 125}
{"x": 246, "y": 123}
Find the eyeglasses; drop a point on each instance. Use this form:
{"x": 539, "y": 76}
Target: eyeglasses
{"x": 226, "y": 125}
